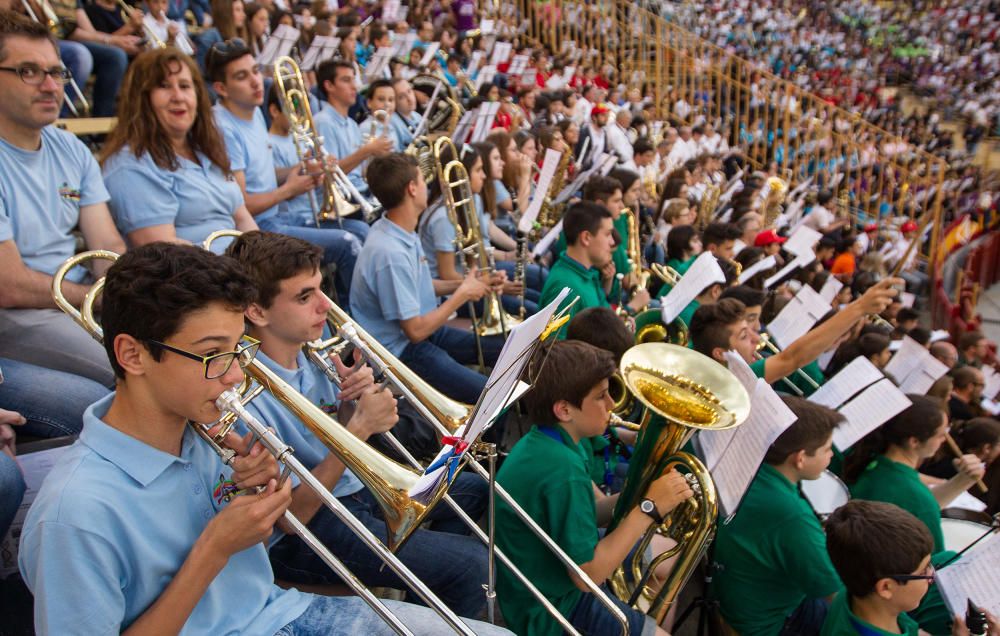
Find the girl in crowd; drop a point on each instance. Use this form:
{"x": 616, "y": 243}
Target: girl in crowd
{"x": 230, "y": 19}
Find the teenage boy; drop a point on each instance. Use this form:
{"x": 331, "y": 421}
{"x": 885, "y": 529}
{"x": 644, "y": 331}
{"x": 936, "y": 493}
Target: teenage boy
{"x": 381, "y": 96}
{"x": 395, "y": 299}
{"x": 236, "y": 78}
{"x": 546, "y": 473}
{"x": 141, "y": 528}
{"x": 720, "y": 240}
{"x": 406, "y": 120}
{"x": 775, "y": 575}
{"x": 290, "y": 310}
{"x": 590, "y": 236}
{"x": 882, "y": 553}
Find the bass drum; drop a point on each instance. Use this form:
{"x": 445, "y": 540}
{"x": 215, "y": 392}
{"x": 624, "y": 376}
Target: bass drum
{"x": 825, "y": 494}
{"x": 649, "y": 327}
{"x": 959, "y": 533}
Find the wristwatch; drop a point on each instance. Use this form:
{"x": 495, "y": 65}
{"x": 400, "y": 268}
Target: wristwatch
{"x": 648, "y": 507}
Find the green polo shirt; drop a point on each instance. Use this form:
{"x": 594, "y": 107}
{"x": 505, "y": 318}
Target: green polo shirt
{"x": 549, "y": 479}
{"x": 688, "y": 312}
{"x": 584, "y": 282}
{"x": 758, "y": 367}
{"x": 773, "y": 557}
{"x": 841, "y": 621}
{"x": 895, "y": 483}
{"x": 619, "y": 256}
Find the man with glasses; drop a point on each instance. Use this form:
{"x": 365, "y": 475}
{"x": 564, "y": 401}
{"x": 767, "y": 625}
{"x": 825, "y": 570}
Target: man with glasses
{"x": 142, "y": 527}
{"x": 49, "y": 185}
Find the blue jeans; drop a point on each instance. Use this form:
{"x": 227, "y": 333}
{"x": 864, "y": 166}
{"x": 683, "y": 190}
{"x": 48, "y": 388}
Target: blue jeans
{"x": 350, "y": 616}
{"x": 202, "y": 43}
{"x": 452, "y": 564}
{"x": 109, "y": 64}
{"x": 807, "y": 618}
{"x": 441, "y": 360}
{"x": 339, "y": 247}
{"x": 11, "y": 491}
{"x": 591, "y": 617}
{"x": 52, "y": 401}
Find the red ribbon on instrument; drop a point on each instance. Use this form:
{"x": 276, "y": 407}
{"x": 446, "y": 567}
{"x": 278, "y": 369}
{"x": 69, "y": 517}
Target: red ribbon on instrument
{"x": 460, "y": 444}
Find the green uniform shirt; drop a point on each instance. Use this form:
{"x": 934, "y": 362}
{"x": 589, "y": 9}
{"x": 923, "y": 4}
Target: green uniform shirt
{"x": 758, "y": 367}
{"x": 773, "y": 556}
{"x": 549, "y": 479}
{"x": 895, "y": 483}
{"x": 619, "y": 256}
{"x": 584, "y": 282}
{"x": 841, "y": 621}
{"x": 681, "y": 267}
{"x": 688, "y": 312}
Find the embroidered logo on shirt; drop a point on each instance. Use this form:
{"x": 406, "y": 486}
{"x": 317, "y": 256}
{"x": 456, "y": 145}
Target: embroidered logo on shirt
{"x": 330, "y": 408}
{"x": 71, "y": 194}
{"x": 225, "y": 490}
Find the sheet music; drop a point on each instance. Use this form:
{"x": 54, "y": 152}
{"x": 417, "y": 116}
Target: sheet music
{"x": 464, "y": 125}
{"x": 528, "y": 78}
{"x": 802, "y": 241}
{"x": 487, "y": 113}
{"x": 868, "y": 411}
{"x": 914, "y": 368}
{"x": 389, "y": 10}
{"x": 798, "y": 317}
{"x": 402, "y": 45}
{"x": 800, "y": 260}
{"x": 738, "y": 464}
{"x": 967, "y": 502}
{"x": 703, "y": 272}
{"x": 975, "y": 576}
{"x": 518, "y": 65}
{"x": 581, "y": 178}
{"x": 543, "y": 245}
{"x": 429, "y": 53}
{"x": 501, "y": 53}
{"x": 502, "y": 387}
{"x": 992, "y": 380}
{"x": 377, "y": 64}
{"x": 759, "y": 266}
{"x": 322, "y": 48}
{"x": 486, "y": 75}
{"x": 739, "y": 367}
{"x": 855, "y": 377}
{"x": 907, "y": 299}
{"x": 549, "y": 165}
{"x": 486, "y": 26}
{"x": 278, "y": 45}
{"x": 830, "y": 289}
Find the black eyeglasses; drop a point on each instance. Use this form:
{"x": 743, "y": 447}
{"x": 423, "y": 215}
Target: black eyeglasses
{"x": 927, "y": 575}
{"x": 34, "y": 75}
{"x": 217, "y": 365}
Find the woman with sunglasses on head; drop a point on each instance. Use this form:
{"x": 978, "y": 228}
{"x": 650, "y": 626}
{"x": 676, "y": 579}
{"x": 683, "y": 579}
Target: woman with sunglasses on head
{"x": 165, "y": 163}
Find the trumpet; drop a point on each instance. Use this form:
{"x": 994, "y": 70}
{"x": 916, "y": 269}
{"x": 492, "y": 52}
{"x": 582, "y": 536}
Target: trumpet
{"x": 232, "y": 405}
{"x": 152, "y": 39}
{"x": 380, "y": 119}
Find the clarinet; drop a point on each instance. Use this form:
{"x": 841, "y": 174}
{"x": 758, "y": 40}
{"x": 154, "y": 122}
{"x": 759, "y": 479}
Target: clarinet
{"x": 520, "y": 264}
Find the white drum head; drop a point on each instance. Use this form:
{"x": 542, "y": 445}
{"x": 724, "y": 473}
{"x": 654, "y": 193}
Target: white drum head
{"x": 959, "y": 533}
{"x": 825, "y": 494}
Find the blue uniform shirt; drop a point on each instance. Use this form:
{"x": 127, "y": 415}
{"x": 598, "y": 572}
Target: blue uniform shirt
{"x": 113, "y": 523}
{"x": 314, "y": 385}
{"x": 392, "y": 282}
{"x": 197, "y": 198}
{"x": 297, "y": 210}
{"x": 248, "y": 147}
{"x": 41, "y": 193}
{"x": 403, "y": 128}
{"x": 341, "y": 138}
{"x": 370, "y": 124}
{"x": 437, "y": 234}
{"x": 502, "y": 194}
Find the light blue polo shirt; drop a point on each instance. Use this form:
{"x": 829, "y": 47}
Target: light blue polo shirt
{"x": 380, "y": 130}
{"x": 392, "y": 282}
{"x": 341, "y": 138}
{"x": 437, "y": 234}
{"x": 502, "y": 193}
{"x": 297, "y": 210}
{"x": 41, "y": 193}
{"x": 113, "y": 523}
{"x": 404, "y": 133}
{"x": 308, "y": 380}
{"x": 248, "y": 147}
{"x": 197, "y": 198}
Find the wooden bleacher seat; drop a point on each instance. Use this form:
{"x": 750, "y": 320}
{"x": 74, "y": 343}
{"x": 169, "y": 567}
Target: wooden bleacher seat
{"x": 88, "y": 125}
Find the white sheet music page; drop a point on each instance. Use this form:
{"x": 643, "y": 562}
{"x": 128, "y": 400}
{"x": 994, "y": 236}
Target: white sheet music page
{"x": 278, "y": 45}
{"x": 868, "y": 411}
{"x": 830, "y": 289}
{"x": 390, "y": 10}
{"x": 429, "y": 53}
{"x": 992, "y": 380}
{"x": 581, "y": 178}
{"x": 484, "y": 120}
{"x": 914, "y": 368}
{"x": 543, "y": 245}
{"x": 855, "y": 377}
{"x": 769, "y": 417}
{"x": 714, "y": 443}
{"x": 502, "y": 387}
{"x": 501, "y": 53}
{"x": 802, "y": 241}
{"x": 311, "y": 58}
{"x": 377, "y": 64}
{"x": 703, "y": 272}
{"x": 798, "y": 317}
{"x": 739, "y": 367}
{"x": 549, "y": 166}
{"x": 486, "y": 75}
{"x": 464, "y": 125}
{"x": 759, "y": 266}
{"x": 800, "y": 260}
{"x": 975, "y": 577}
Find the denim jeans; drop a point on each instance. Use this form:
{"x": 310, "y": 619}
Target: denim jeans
{"x": 534, "y": 276}
{"x": 339, "y": 247}
{"x": 807, "y": 618}
{"x": 109, "y": 64}
{"x": 52, "y": 401}
{"x": 451, "y": 563}
{"x": 11, "y": 491}
{"x": 441, "y": 360}
{"x": 351, "y": 616}
{"x": 591, "y": 617}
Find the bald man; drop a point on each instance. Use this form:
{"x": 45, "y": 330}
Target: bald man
{"x": 945, "y": 352}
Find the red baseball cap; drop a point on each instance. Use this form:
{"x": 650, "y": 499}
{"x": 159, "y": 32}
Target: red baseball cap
{"x": 871, "y": 227}
{"x": 599, "y": 109}
{"x": 767, "y": 237}
{"x": 909, "y": 226}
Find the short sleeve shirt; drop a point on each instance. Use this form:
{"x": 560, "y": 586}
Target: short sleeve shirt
{"x": 341, "y": 138}
{"x": 437, "y": 234}
{"x": 248, "y": 145}
{"x": 841, "y": 621}
{"x": 297, "y": 210}
{"x": 583, "y": 282}
{"x": 113, "y": 523}
{"x": 403, "y": 128}
{"x": 392, "y": 282}
{"x": 197, "y": 198}
{"x": 548, "y": 478}
{"x": 896, "y": 483}
{"x": 41, "y": 193}
{"x": 773, "y": 556}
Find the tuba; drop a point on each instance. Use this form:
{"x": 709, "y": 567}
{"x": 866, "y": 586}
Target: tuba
{"x": 443, "y": 109}
{"x": 773, "y": 196}
{"x": 308, "y": 143}
{"x": 689, "y": 392}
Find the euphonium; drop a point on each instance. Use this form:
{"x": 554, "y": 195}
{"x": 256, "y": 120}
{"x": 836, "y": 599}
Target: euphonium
{"x": 308, "y": 143}
{"x": 690, "y": 392}
{"x": 422, "y": 150}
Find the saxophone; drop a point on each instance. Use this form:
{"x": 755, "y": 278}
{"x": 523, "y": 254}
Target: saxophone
{"x": 550, "y": 214}
{"x": 634, "y": 251}
{"x": 706, "y": 208}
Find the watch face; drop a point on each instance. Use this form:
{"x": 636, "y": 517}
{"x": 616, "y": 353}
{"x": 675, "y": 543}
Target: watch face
{"x": 646, "y": 506}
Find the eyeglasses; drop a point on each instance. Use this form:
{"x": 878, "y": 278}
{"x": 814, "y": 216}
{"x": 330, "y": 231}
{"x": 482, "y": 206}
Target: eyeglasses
{"x": 34, "y": 75}
{"x": 217, "y": 365}
{"x": 926, "y": 575}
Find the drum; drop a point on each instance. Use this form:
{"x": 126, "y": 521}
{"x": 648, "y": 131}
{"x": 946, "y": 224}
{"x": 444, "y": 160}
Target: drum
{"x": 959, "y": 533}
{"x": 825, "y": 494}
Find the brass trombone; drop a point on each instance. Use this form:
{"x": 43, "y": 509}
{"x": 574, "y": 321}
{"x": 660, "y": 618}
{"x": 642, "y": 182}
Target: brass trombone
{"x": 231, "y": 403}
{"x": 765, "y": 343}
